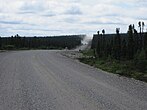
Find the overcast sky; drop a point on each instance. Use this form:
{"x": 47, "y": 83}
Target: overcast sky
{"x": 60, "y": 17}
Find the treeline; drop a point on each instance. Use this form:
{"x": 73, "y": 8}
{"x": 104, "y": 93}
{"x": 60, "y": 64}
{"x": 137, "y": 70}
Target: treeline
{"x": 54, "y": 42}
{"x": 120, "y": 46}
{"x": 129, "y": 51}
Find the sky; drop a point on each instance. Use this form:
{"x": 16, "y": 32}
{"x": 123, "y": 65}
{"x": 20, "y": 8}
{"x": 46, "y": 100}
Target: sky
{"x": 62, "y": 17}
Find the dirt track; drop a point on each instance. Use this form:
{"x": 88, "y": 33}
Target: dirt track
{"x": 47, "y": 80}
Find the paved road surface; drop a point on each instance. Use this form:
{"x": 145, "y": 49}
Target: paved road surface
{"x": 46, "y": 80}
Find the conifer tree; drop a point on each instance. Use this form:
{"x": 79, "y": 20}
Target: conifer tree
{"x": 0, "y": 42}
{"x": 130, "y": 46}
{"x": 117, "y": 45}
{"x": 145, "y": 44}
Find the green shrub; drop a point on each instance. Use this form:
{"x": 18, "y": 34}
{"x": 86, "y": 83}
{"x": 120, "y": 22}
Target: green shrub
{"x": 140, "y": 61}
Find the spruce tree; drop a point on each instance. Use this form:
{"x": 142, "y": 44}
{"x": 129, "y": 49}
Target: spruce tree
{"x": 0, "y": 42}
{"x": 145, "y": 44}
{"x": 117, "y": 45}
{"x": 130, "y": 46}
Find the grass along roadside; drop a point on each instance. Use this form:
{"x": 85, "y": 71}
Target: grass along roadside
{"x": 136, "y": 69}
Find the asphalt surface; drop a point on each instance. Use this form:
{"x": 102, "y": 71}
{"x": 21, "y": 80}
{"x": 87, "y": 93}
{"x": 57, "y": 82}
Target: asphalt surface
{"x": 46, "y": 80}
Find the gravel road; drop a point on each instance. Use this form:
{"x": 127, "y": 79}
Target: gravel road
{"x": 47, "y": 80}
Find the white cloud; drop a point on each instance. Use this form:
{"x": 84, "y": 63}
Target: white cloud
{"x": 53, "y": 17}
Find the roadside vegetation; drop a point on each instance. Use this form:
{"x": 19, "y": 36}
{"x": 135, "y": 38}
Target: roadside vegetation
{"x": 55, "y": 42}
{"x": 123, "y": 54}
{"x": 130, "y": 68}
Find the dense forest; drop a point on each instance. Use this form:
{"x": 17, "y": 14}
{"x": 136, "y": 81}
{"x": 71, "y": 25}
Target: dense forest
{"x": 124, "y": 53}
{"x": 120, "y": 46}
{"x": 54, "y": 42}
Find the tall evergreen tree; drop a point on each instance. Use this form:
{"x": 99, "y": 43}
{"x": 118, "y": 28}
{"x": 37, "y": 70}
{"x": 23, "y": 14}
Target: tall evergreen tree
{"x": 137, "y": 45}
{"x": 0, "y": 42}
{"x": 130, "y": 47}
{"x": 103, "y": 31}
{"x": 117, "y": 45}
{"x": 98, "y": 47}
{"x": 145, "y": 44}
{"x": 143, "y": 26}
{"x": 98, "y": 32}
{"x": 139, "y": 25}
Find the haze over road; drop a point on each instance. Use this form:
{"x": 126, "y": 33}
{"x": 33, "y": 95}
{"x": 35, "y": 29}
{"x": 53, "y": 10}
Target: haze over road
{"x": 46, "y": 80}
